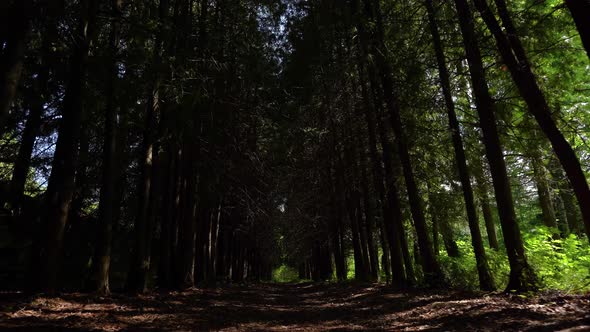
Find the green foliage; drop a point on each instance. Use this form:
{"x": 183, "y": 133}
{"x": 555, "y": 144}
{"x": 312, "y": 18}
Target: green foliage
{"x": 350, "y": 265}
{"x": 462, "y": 269}
{"x": 285, "y": 274}
{"x": 560, "y": 264}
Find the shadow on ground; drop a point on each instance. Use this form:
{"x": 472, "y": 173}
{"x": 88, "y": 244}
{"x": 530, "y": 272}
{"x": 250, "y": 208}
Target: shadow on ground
{"x": 297, "y": 307}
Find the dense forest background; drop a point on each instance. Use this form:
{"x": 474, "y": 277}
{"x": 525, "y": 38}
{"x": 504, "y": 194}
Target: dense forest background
{"x": 173, "y": 143}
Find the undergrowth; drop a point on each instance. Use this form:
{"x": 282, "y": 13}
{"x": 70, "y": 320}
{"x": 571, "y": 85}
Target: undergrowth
{"x": 560, "y": 263}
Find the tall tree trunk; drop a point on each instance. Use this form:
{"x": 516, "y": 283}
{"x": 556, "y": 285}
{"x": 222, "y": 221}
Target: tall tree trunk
{"x": 61, "y": 186}
{"x": 432, "y": 271}
{"x": 544, "y": 191}
{"x": 106, "y": 204}
{"x": 580, "y": 10}
{"x": 368, "y": 231}
{"x": 521, "y": 276}
{"x": 570, "y": 209}
{"x": 515, "y": 58}
{"x": 34, "y": 119}
{"x": 213, "y": 240}
{"x": 187, "y": 230}
{"x": 169, "y": 208}
{"x": 388, "y": 195}
{"x": 11, "y": 60}
{"x": 435, "y": 231}
{"x": 29, "y": 135}
{"x": 484, "y": 201}
{"x": 443, "y": 225}
{"x": 82, "y": 189}
{"x": 485, "y": 278}
{"x": 339, "y": 193}
{"x": 355, "y": 198}
{"x": 137, "y": 279}
{"x": 359, "y": 263}
{"x": 391, "y": 214}
{"x": 389, "y": 244}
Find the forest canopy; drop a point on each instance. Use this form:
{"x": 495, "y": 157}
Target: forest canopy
{"x": 167, "y": 144}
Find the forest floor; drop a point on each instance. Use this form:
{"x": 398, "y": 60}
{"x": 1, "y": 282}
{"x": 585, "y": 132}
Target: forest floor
{"x": 297, "y": 307}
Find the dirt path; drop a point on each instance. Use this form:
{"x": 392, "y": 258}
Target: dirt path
{"x": 301, "y": 307}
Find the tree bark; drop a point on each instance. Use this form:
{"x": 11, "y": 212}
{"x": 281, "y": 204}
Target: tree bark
{"x": 369, "y": 215}
{"x": 61, "y": 186}
{"x": 138, "y": 274}
{"x": 570, "y": 209}
{"x": 432, "y": 272}
{"x": 484, "y": 201}
{"x": 544, "y": 192}
{"x": 11, "y": 60}
{"x": 580, "y": 10}
{"x": 106, "y": 204}
{"x": 34, "y": 119}
{"x": 187, "y": 230}
{"x": 485, "y": 278}
{"x": 521, "y": 276}
{"x": 391, "y": 214}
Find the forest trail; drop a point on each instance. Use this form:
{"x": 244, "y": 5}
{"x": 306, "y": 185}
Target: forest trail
{"x": 297, "y": 307}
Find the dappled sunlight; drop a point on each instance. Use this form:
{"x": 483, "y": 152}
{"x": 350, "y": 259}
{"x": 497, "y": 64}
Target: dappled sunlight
{"x": 300, "y": 307}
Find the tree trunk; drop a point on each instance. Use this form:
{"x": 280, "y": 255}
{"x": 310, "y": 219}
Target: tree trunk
{"x": 106, "y": 206}
{"x": 570, "y": 209}
{"x": 391, "y": 214}
{"x": 11, "y": 60}
{"x": 360, "y": 249}
{"x": 517, "y": 62}
{"x": 169, "y": 214}
{"x": 544, "y": 192}
{"x": 137, "y": 279}
{"x": 187, "y": 230}
{"x": 521, "y": 276}
{"x": 29, "y": 135}
{"x": 435, "y": 232}
{"x": 388, "y": 196}
{"x": 444, "y": 227}
{"x": 580, "y": 10}
{"x": 338, "y": 199}
{"x": 213, "y": 240}
{"x": 61, "y": 186}
{"x": 367, "y": 234}
{"x": 485, "y": 278}
{"x": 432, "y": 272}
{"x": 484, "y": 201}
{"x": 359, "y": 263}
{"x": 34, "y": 120}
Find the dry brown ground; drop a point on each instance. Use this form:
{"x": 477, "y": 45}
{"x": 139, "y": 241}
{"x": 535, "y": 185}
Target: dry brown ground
{"x": 301, "y": 307}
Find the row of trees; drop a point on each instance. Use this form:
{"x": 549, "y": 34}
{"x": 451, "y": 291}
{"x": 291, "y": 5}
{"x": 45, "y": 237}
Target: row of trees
{"x": 382, "y": 88}
{"x": 138, "y": 121}
{"x": 183, "y": 142}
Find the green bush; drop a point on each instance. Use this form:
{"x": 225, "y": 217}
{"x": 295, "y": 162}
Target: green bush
{"x": 560, "y": 264}
{"x": 285, "y": 274}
